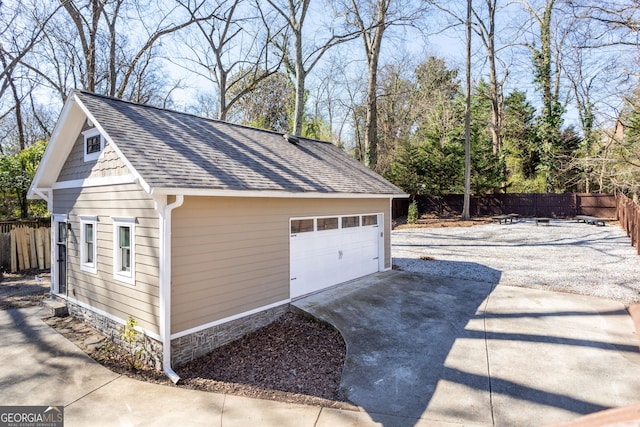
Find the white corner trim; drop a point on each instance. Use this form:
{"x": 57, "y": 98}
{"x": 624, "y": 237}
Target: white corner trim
{"x": 110, "y": 316}
{"x": 228, "y": 319}
{"x": 96, "y": 182}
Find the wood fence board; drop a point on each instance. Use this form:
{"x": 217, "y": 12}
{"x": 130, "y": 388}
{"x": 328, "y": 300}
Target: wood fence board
{"x": 14, "y": 251}
{"x": 39, "y": 232}
{"x": 47, "y": 247}
{"x": 33, "y": 253}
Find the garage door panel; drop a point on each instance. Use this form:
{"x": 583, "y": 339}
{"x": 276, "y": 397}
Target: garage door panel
{"x": 320, "y": 259}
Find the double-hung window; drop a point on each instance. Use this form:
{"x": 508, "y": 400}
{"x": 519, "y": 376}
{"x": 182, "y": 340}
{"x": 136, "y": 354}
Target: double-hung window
{"x": 88, "y": 246}
{"x": 124, "y": 249}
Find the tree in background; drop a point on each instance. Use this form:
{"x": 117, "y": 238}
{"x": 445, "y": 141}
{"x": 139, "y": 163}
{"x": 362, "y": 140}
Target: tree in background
{"x": 16, "y": 173}
{"x": 371, "y": 19}
{"x": 521, "y": 146}
{"x": 267, "y": 106}
{"x": 432, "y": 159}
{"x": 231, "y": 49}
{"x": 300, "y": 52}
{"x": 546, "y": 50}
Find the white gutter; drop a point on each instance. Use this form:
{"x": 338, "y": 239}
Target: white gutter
{"x": 165, "y": 284}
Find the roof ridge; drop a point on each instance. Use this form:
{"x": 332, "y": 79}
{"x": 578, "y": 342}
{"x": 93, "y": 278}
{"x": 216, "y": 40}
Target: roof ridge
{"x": 168, "y": 110}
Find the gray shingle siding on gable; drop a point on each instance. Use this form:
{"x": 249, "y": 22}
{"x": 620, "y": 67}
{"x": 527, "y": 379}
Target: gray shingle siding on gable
{"x": 181, "y": 151}
{"x": 109, "y": 164}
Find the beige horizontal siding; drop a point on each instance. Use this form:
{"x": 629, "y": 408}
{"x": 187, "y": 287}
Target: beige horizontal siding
{"x": 101, "y": 290}
{"x": 231, "y": 255}
{"x": 109, "y": 164}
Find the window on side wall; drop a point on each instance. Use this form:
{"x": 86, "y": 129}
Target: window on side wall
{"x": 93, "y": 144}
{"x": 88, "y": 246}
{"x": 124, "y": 249}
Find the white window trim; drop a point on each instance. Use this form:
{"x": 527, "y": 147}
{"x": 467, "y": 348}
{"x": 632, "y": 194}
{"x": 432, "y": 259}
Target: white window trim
{"x": 89, "y": 267}
{"x": 88, "y": 134}
{"x": 124, "y": 276}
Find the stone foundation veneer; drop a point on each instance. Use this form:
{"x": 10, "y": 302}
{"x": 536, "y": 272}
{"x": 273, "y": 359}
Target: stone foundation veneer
{"x": 111, "y": 328}
{"x": 183, "y": 349}
{"x": 190, "y": 347}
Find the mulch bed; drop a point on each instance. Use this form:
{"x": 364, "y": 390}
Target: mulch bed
{"x": 294, "y": 359}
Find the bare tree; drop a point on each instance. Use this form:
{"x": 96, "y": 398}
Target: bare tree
{"x": 91, "y": 47}
{"x": 484, "y": 24}
{"x": 231, "y": 48}
{"x": 371, "y": 19}
{"x": 305, "y": 55}
{"x": 21, "y": 28}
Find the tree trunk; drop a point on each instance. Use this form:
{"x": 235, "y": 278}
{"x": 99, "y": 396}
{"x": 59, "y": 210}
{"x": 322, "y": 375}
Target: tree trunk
{"x": 298, "y": 116}
{"x": 467, "y": 123}
{"x": 373, "y": 56}
{"x": 20, "y": 194}
{"x": 496, "y": 117}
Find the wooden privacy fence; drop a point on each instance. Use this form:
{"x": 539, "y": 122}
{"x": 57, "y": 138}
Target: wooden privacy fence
{"x": 566, "y": 205}
{"x": 629, "y": 217}
{"x": 25, "y": 245}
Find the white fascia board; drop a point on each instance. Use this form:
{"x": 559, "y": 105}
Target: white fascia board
{"x": 55, "y": 153}
{"x": 271, "y": 194}
{"x": 106, "y": 136}
{"x": 96, "y": 182}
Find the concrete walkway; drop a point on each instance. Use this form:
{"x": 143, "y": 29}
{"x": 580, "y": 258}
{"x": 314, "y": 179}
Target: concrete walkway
{"x": 422, "y": 351}
{"x": 458, "y": 351}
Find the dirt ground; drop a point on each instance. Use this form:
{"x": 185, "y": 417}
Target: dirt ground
{"x": 23, "y": 290}
{"x": 434, "y": 221}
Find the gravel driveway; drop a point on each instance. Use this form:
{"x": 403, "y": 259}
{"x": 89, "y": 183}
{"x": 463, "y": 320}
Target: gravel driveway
{"x": 565, "y": 256}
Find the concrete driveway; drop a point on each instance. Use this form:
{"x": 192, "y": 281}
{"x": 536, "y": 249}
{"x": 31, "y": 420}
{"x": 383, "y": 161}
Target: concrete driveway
{"x": 441, "y": 349}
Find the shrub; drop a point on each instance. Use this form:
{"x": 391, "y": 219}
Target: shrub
{"x": 413, "y": 215}
{"x": 134, "y": 352}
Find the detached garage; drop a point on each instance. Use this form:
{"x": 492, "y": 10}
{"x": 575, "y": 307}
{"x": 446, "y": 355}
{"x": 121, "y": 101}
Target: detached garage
{"x": 202, "y": 230}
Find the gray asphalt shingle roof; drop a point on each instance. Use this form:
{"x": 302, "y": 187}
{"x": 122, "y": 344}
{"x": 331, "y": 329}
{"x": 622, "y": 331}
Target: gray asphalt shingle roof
{"x": 176, "y": 150}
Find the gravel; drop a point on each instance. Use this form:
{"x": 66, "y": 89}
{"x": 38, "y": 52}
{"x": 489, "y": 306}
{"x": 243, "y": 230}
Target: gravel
{"x": 565, "y": 256}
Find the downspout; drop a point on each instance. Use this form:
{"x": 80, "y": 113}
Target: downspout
{"x": 165, "y": 286}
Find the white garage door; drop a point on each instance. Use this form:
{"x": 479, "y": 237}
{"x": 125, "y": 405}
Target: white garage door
{"x": 325, "y": 251}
